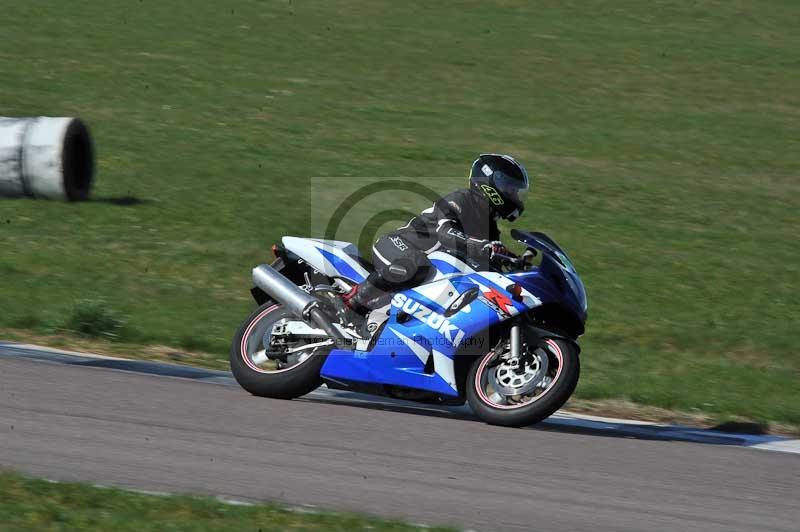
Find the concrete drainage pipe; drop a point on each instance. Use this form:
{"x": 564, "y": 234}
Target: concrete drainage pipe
{"x": 43, "y": 157}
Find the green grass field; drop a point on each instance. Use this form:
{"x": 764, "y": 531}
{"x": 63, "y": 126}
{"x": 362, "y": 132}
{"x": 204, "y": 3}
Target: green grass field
{"x": 28, "y": 505}
{"x": 664, "y": 137}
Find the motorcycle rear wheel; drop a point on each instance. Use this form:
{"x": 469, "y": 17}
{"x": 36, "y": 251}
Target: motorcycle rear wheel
{"x": 496, "y": 408}
{"x": 266, "y": 378}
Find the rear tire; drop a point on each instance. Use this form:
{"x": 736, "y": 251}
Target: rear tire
{"x": 542, "y": 406}
{"x": 286, "y": 383}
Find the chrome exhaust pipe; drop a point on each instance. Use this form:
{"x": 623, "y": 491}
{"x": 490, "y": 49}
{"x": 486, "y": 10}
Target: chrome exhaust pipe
{"x": 301, "y": 304}
{"x": 283, "y": 290}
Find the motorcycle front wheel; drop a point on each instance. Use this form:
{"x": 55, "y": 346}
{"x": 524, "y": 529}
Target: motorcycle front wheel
{"x": 517, "y": 393}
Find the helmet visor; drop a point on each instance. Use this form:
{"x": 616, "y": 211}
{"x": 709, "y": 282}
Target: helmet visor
{"x": 513, "y": 188}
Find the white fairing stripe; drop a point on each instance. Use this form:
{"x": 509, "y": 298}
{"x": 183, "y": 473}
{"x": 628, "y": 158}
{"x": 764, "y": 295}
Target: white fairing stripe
{"x": 440, "y": 291}
{"x": 438, "y": 276}
{"x": 443, "y": 366}
{"x": 418, "y": 350}
{"x": 451, "y": 260}
{"x": 528, "y": 299}
{"x": 344, "y": 251}
{"x": 306, "y": 249}
{"x": 341, "y": 244}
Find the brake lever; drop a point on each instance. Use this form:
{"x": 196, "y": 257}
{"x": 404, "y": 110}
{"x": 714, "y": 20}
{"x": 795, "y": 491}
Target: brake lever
{"x": 508, "y": 259}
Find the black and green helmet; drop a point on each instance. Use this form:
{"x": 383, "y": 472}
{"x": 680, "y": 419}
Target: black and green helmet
{"x": 503, "y": 181}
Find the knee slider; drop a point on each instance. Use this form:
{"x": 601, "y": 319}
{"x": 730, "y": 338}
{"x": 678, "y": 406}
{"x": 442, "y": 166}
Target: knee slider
{"x": 400, "y": 271}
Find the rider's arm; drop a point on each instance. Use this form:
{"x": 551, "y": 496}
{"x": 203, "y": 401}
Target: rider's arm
{"x": 451, "y": 236}
{"x": 450, "y": 233}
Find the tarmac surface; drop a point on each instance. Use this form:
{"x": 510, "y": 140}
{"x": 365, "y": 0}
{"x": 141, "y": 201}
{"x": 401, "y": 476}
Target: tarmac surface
{"x": 148, "y": 431}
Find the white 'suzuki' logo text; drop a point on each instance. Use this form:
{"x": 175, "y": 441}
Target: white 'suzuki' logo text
{"x": 432, "y": 319}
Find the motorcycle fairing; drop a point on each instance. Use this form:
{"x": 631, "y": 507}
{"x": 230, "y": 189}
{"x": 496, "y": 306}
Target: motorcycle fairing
{"x": 417, "y": 336}
{"x": 555, "y": 266}
{"x": 447, "y": 265}
{"x": 336, "y": 258}
{"x": 333, "y": 258}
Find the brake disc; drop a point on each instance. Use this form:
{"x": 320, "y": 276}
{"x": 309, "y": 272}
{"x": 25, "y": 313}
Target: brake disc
{"x": 520, "y": 376}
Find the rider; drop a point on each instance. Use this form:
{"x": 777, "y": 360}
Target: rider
{"x": 464, "y": 222}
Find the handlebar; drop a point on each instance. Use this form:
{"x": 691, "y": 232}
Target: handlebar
{"x": 515, "y": 261}
{"x": 509, "y": 259}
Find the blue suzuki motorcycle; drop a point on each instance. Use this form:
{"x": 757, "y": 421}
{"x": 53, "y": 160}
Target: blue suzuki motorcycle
{"x": 503, "y": 338}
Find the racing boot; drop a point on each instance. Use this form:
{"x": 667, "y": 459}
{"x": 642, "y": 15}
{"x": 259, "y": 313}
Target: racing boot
{"x": 363, "y": 297}
{"x": 360, "y": 301}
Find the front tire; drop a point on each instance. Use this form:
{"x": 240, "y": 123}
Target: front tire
{"x": 262, "y": 380}
{"x": 496, "y": 409}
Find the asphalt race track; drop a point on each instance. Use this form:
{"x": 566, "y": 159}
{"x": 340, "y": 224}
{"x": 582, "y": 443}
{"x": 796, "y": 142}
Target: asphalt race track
{"x": 70, "y": 421}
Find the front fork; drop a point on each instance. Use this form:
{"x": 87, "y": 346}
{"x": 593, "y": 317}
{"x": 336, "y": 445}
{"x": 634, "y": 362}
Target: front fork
{"x": 515, "y": 335}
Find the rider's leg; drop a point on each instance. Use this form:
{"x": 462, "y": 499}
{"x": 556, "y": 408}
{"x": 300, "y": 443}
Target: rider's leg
{"x": 397, "y": 266}
{"x": 362, "y": 296}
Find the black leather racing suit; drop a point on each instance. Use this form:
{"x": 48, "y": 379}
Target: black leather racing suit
{"x": 462, "y": 222}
